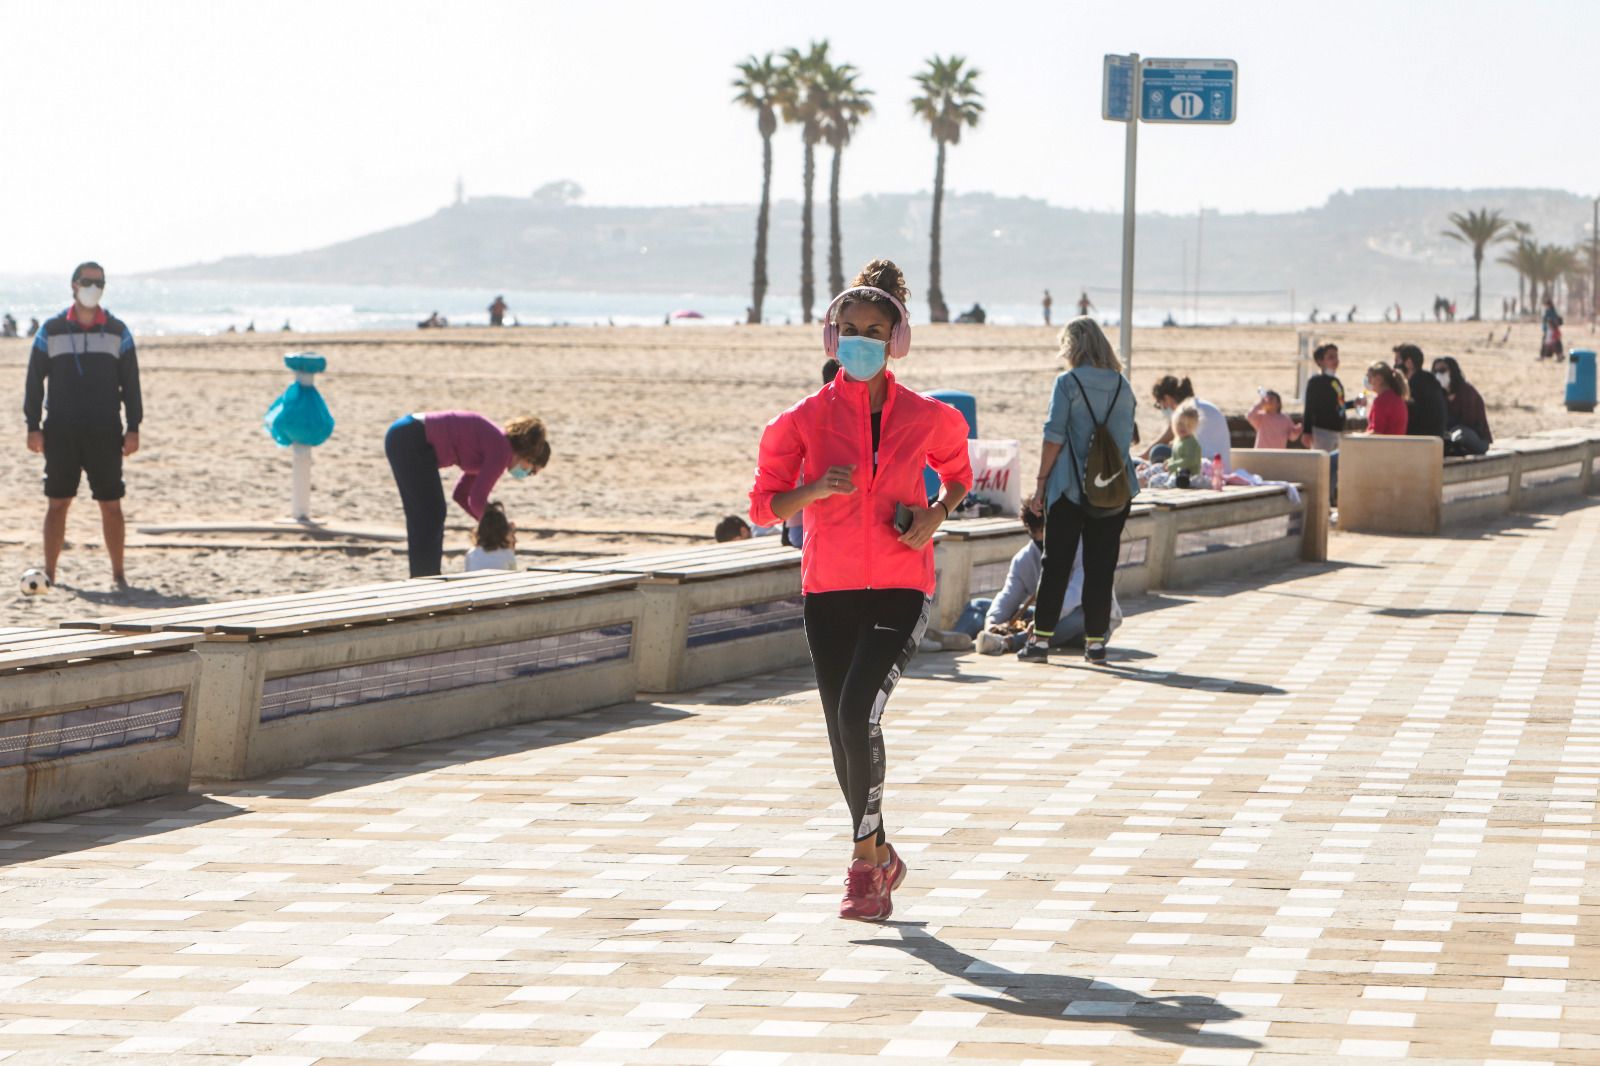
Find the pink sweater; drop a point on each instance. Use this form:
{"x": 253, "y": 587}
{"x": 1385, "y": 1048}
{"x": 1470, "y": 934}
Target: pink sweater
{"x": 475, "y": 444}
{"x": 1272, "y": 430}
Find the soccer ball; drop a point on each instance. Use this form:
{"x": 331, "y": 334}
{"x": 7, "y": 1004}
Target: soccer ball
{"x": 35, "y": 583}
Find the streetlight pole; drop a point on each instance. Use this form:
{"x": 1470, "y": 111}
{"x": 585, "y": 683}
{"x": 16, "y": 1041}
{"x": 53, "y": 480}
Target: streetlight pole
{"x": 1130, "y": 165}
{"x": 1594, "y": 264}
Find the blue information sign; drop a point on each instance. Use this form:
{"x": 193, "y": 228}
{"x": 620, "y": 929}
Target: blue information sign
{"x": 1194, "y": 91}
{"x": 1116, "y": 101}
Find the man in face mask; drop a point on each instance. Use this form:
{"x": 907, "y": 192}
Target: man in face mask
{"x": 84, "y": 371}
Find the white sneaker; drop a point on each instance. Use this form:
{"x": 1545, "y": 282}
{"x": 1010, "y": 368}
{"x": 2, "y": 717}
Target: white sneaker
{"x": 991, "y": 643}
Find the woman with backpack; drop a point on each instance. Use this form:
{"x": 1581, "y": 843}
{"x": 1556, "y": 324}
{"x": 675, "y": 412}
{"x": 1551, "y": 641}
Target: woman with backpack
{"x": 1086, "y": 484}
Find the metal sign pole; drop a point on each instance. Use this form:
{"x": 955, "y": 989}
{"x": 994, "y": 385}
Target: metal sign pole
{"x": 1130, "y": 165}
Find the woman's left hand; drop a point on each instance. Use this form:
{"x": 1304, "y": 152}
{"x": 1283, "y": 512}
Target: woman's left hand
{"x": 925, "y": 522}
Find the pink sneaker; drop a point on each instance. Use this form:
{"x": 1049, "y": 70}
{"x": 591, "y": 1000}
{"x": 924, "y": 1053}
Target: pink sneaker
{"x": 894, "y": 871}
{"x": 866, "y": 898}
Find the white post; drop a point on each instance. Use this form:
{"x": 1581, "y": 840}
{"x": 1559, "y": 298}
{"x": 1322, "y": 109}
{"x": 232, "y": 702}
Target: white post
{"x": 300, "y": 484}
{"x": 1130, "y": 166}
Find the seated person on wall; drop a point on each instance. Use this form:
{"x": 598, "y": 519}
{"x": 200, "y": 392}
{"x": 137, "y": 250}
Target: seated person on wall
{"x": 1213, "y": 434}
{"x": 1387, "y": 415}
{"x": 1184, "y": 465}
{"x": 1274, "y": 429}
{"x": 735, "y": 528}
{"x": 1467, "y": 421}
{"x": 1427, "y": 408}
{"x": 1002, "y": 625}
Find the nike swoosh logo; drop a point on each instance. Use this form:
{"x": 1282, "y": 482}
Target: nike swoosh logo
{"x": 1100, "y": 482}
{"x": 887, "y": 629}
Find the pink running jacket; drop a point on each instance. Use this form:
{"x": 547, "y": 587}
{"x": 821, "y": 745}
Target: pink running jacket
{"x": 850, "y": 540}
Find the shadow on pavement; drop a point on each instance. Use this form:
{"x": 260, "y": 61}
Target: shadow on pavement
{"x": 217, "y": 800}
{"x": 1170, "y": 1019}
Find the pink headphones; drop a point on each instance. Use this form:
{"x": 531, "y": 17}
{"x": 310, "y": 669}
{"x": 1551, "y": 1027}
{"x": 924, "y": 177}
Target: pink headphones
{"x": 899, "y": 337}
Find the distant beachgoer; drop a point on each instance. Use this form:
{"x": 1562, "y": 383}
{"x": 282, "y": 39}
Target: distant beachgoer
{"x": 1047, "y": 303}
{"x": 1386, "y": 414}
{"x": 1351, "y": 315}
{"x": 1325, "y": 405}
{"x": 1468, "y": 420}
{"x": 251, "y": 328}
{"x": 33, "y": 326}
{"x": 1084, "y": 305}
{"x": 8, "y": 326}
{"x": 494, "y": 542}
{"x": 1213, "y": 433}
{"x": 1429, "y": 409}
{"x": 1388, "y": 313}
{"x": 497, "y": 311}
{"x": 286, "y": 327}
{"x": 1091, "y": 405}
{"x": 1397, "y": 311}
{"x": 1450, "y": 311}
{"x": 1314, "y": 313}
{"x": 420, "y": 445}
{"x": 1274, "y": 429}
{"x": 84, "y": 372}
{"x": 1550, "y": 323}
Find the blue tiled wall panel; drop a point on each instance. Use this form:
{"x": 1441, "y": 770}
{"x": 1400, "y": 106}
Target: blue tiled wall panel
{"x": 349, "y": 686}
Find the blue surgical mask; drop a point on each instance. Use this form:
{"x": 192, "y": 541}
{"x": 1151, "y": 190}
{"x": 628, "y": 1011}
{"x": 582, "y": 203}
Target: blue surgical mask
{"x": 861, "y": 357}
{"x": 519, "y": 472}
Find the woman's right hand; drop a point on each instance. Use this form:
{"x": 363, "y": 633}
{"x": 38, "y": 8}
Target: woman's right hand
{"x": 837, "y": 480}
{"x": 1035, "y": 502}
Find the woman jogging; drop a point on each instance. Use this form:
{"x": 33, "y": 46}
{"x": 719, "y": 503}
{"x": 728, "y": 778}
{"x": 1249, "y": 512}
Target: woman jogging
{"x": 861, "y": 443}
{"x": 420, "y": 445}
{"x": 1091, "y": 395}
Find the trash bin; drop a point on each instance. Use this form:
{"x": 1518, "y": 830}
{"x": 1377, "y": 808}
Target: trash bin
{"x": 967, "y": 404}
{"x": 1580, "y": 380}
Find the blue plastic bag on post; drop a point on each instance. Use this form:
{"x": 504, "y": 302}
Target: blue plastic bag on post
{"x": 300, "y": 416}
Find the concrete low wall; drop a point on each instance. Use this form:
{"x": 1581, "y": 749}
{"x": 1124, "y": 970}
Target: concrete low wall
{"x": 1390, "y": 484}
{"x": 697, "y": 633}
{"x": 265, "y": 705}
{"x": 1395, "y": 485}
{"x": 1311, "y": 471}
{"x": 95, "y": 734}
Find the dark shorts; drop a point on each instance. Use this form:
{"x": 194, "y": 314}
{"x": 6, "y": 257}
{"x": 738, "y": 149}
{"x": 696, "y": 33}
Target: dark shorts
{"x": 71, "y": 453}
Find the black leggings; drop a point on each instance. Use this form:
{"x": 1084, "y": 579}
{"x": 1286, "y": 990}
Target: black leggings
{"x": 416, "y": 473}
{"x": 1064, "y": 524}
{"x": 861, "y": 641}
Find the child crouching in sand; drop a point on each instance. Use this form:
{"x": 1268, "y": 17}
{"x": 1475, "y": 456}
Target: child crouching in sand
{"x": 494, "y": 541}
{"x": 1184, "y": 465}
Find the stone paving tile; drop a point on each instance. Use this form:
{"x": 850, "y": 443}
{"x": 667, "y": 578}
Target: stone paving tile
{"x": 1348, "y": 815}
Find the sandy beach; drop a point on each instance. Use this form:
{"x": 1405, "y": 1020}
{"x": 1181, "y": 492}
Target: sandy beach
{"x": 654, "y": 432}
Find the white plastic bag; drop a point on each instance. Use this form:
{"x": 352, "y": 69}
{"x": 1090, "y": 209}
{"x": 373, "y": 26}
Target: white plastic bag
{"x": 997, "y": 473}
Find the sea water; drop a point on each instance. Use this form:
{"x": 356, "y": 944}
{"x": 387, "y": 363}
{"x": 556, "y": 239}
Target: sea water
{"x": 160, "y": 306}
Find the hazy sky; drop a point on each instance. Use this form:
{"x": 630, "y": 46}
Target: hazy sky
{"x": 161, "y": 132}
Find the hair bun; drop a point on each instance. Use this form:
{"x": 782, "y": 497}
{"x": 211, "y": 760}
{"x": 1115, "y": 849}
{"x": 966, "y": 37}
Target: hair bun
{"x": 884, "y": 274}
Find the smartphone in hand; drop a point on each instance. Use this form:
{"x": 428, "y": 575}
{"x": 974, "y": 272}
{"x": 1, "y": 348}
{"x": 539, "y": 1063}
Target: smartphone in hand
{"x": 902, "y": 519}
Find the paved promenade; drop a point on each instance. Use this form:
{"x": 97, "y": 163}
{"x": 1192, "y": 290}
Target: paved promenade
{"x": 1347, "y": 815}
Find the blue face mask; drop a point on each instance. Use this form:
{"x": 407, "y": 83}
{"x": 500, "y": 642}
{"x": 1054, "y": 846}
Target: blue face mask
{"x": 519, "y": 472}
{"x": 861, "y": 357}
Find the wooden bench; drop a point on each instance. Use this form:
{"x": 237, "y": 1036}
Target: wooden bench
{"x": 90, "y": 720}
{"x": 288, "y": 680}
{"x": 713, "y": 612}
{"x": 1404, "y": 485}
{"x": 1203, "y": 534}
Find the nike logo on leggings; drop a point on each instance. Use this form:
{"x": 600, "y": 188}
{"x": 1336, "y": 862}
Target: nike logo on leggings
{"x": 886, "y": 629}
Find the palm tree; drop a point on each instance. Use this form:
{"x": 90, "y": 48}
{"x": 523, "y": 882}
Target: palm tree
{"x": 844, "y": 104}
{"x": 1521, "y": 259}
{"x": 1478, "y": 228}
{"x": 948, "y": 102}
{"x": 800, "y": 101}
{"x": 758, "y": 86}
